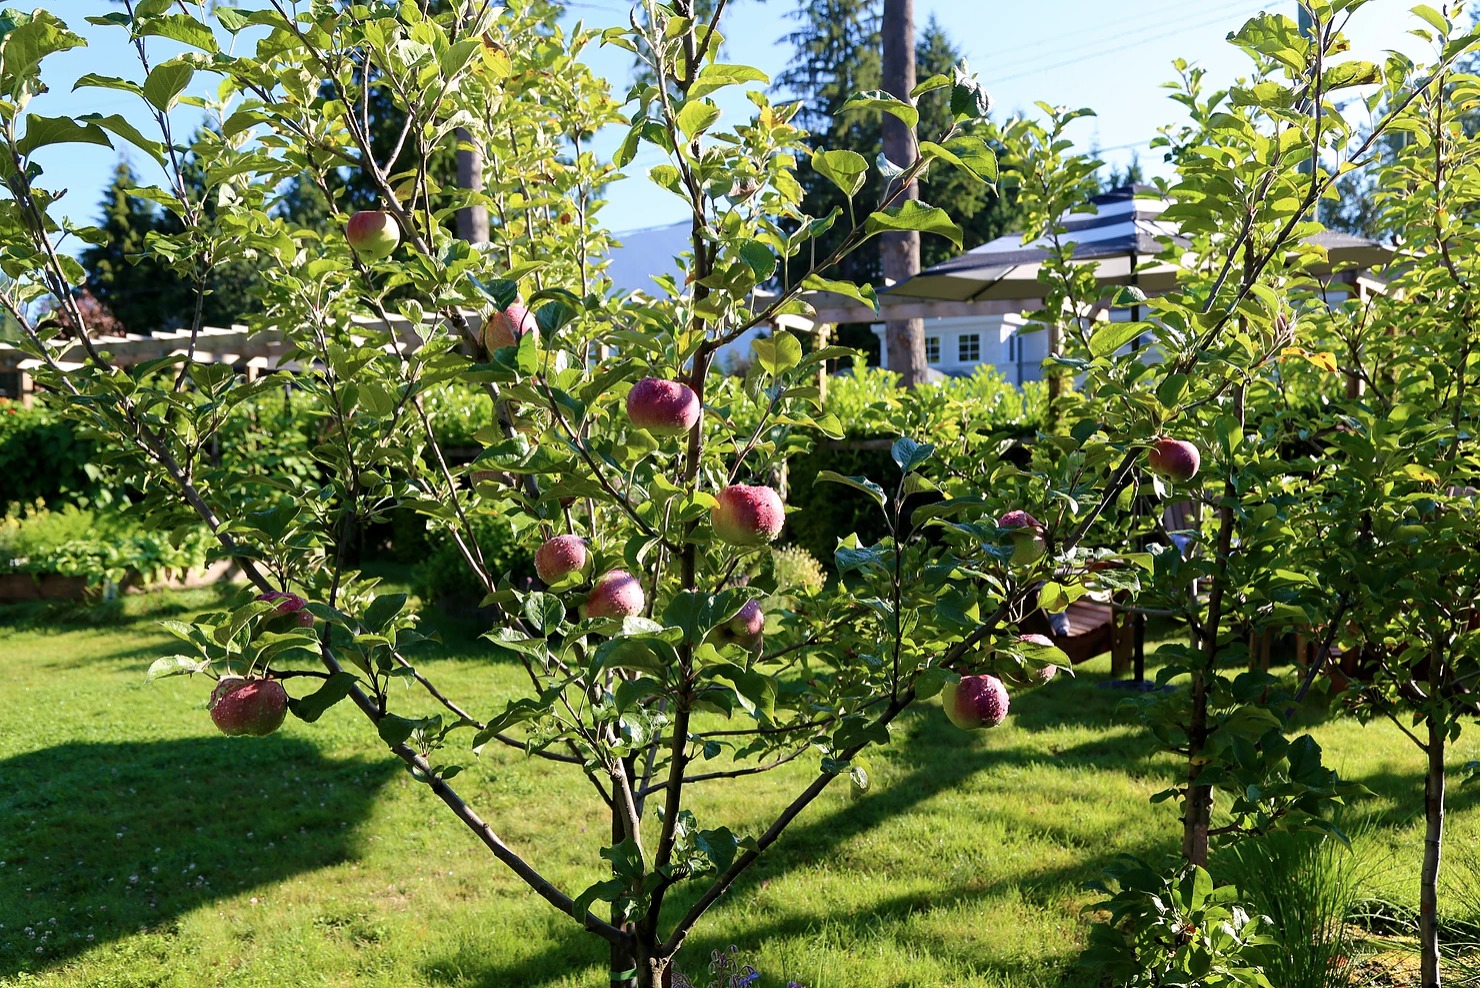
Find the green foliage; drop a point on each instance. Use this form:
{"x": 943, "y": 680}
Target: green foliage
{"x": 930, "y": 587}
{"x": 100, "y": 546}
{"x": 1175, "y": 930}
{"x": 442, "y": 574}
{"x": 1312, "y": 890}
{"x": 44, "y": 456}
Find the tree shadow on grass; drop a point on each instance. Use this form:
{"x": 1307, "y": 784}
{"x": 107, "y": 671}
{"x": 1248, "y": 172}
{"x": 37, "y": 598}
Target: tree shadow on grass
{"x": 936, "y": 762}
{"x": 99, "y": 841}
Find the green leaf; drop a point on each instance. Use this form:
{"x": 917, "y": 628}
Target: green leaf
{"x": 718, "y": 75}
{"x": 864, "y": 294}
{"x": 914, "y": 215}
{"x": 383, "y": 610}
{"x": 929, "y": 84}
{"x": 970, "y": 99}
{"x": 908, "y": 454}
{"x": 1432, "y": 17}
{"x": 310, "y": 708}
{"x": 974, "y": 154}
{"x": 545, "y": 612}
{"x": 778, "y": 353}
{"x": 175, "y": 665}
{"x": 118, "y": 125}
{"x": 846, "y": 169}
{"x": 178, "y": 27}
{"x": 865, "y": 484}
{"x": 27, "y": 39}
{"x": 1112, "y": 336}
{"x": 230, "y": 18}
{"x": 758, "y": 256}
{"x": 395, "y": 730}
{"x": 878, "y": 99}
{"x": 165, "y": 83}
{"x": 46, "y": 131}
{"x": 695, "y": 116}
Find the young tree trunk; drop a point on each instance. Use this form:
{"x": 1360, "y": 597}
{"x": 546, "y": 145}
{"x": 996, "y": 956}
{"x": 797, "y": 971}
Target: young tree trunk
{"x": 1199, "y": 799}
{"x": 900, "y": 252}
{"x": 1435, "y": 812}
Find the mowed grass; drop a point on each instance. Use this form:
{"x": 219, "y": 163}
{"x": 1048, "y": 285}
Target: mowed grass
{"x": 140, "y": 848}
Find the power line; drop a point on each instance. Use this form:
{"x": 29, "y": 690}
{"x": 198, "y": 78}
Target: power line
{"x": 1024, "y": 56}
{"x": 1113, "y": 50}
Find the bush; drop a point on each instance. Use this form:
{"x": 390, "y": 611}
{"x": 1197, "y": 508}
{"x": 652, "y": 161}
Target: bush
{"x": 44, "y": 457}
{"x": 101, "y": 546}
{"x": 443, "y": 577}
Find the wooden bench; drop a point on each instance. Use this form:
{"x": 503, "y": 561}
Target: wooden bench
{"x": 1095, "y": 627}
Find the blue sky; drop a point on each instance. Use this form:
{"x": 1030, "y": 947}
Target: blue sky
{"x": 1070, "y": 52}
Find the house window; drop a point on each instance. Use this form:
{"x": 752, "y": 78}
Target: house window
{"x": 933, "y": 349}
{"x": 967, "y": 348}
{"x": 1016, "y": 348}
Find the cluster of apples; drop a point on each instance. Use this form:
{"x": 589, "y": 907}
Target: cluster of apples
{"x": 977, "y": 702}
{"x": 745, "y": 515}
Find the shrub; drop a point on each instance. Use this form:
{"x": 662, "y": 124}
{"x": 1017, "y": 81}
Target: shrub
{"x": 101, "y": 546}
{"x": 443, "y": 576}
{"x": 45, "y": 457}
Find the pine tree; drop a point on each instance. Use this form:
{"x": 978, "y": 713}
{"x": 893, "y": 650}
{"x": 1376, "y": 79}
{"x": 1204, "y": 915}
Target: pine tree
{"x": 138, "y": 290}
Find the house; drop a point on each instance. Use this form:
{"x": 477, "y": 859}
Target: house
{"x": 974, "y": 305}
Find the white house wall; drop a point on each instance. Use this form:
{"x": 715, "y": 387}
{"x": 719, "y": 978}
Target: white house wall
{"x": 1006, "y": 343}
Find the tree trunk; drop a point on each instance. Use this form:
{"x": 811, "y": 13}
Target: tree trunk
{"x": 620, "y": 956}
{"x": 1435, "y": 812}
{"x": 900, "y": 252}
{"x": 473, "y": 221}
{"x": 1199, "y": 799}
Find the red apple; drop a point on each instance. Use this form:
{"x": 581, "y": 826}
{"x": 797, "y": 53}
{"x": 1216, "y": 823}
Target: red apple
{"x": 248, "y": 707}
{"x": 559, "y": 557}
{"x": 664, "y": 408}
{"x": 289, "y": 605}
{"x": 1043, "y": 674}
{"x": 747, "y": 515}
{"x": 616, "y": 594}
{"x": 373, "y": 233}
{"x": 1174, "y": 460}
{"x": 508, "y": 327}
{"x": 1027, "y": 534}
{"x": 748, "y": 622}
{"x": 975, "y": 702}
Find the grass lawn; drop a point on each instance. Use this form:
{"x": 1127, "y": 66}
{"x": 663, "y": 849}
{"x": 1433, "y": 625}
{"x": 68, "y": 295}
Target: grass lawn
{"x": 140, "y": 848}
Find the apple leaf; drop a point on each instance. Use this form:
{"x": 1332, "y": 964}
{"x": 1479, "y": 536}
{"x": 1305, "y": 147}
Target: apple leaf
{"x": 846, "y": 169}
{"x": 175, "y": 665}
{"x": 310, "y": 708}
{"x": 914, "y": 214}
{"x": 865, "y": 484}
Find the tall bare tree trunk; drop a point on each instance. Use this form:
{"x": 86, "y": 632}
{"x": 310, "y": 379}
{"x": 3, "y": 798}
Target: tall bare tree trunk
{"x": 900, "y": 252}
{"x": 473, "y": 221}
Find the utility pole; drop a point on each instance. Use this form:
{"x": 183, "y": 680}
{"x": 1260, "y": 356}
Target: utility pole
{"x": 900, "y": 251}
{"x": 472, "y": 221}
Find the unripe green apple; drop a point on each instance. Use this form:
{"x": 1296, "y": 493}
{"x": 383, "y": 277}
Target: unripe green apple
{"x": 559, "y": 557}
{"x": 664, "y": 408}
{"x": 616, "y": 594}
{"x": 745, "y": 515}
{"x": 975, "y": 702}
{"x": 1174, "y": 460}
{"x": 373, "y": 233}
{"x": 248, "y": 707}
